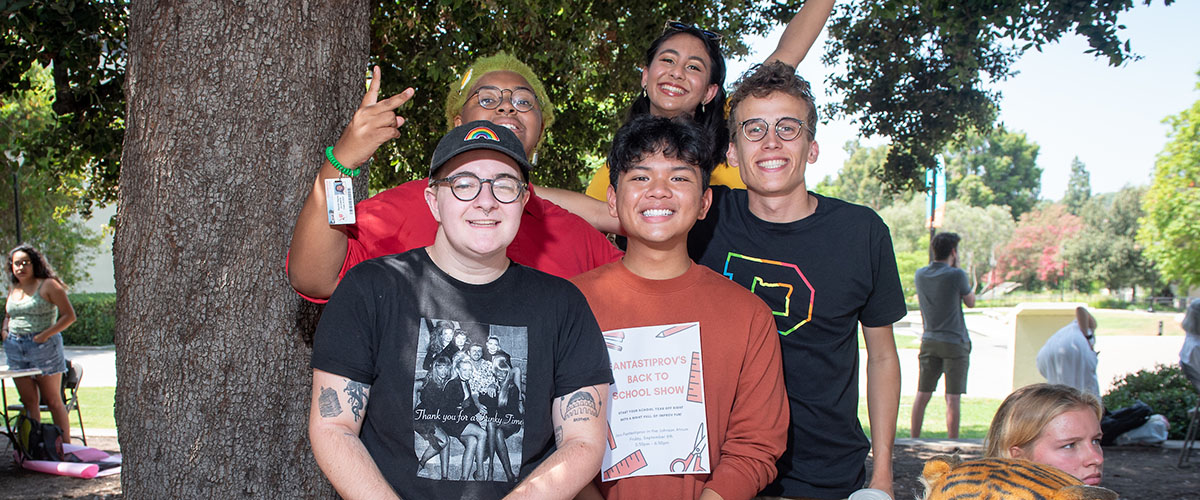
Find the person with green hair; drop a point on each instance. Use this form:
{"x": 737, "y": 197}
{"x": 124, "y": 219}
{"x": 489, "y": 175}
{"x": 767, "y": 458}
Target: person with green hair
{"x": 456, "y": 98}
{"x": 498, "y": 88}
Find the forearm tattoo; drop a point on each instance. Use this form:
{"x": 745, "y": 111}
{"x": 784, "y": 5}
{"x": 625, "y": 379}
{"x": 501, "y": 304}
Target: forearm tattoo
{"x": 328, "y": 403}
{"x": 580, "y": 406}
{"x": 357, "y": 392}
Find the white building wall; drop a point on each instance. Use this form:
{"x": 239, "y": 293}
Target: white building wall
{"x": 102, "y": 277}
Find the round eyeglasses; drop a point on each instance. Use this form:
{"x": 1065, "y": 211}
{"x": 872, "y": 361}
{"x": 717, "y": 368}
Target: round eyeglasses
{"x": 786, "y": 128}
{"x": 490, "y": 97}
{"x": 467, "y": 186}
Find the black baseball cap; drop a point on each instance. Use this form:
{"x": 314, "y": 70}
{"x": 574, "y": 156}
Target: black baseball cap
{"x": 479, "y": 134}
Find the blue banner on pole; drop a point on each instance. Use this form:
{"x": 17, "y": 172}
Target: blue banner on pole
{"x": 935, "y": 197}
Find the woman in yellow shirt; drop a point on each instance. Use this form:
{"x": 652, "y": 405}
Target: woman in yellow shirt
{"x": 684, "y": 75}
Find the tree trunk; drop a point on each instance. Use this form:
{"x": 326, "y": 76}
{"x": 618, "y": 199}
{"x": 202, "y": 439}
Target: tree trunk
{"x": 230, "y": 105}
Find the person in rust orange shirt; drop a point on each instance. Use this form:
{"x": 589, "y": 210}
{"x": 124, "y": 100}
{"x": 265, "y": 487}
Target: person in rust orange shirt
{"x": 659, "y": 189}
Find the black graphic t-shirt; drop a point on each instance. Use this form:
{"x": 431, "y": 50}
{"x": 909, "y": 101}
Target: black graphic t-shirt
{"x": 467, "y": 424}
{"x": 821, "y": 276}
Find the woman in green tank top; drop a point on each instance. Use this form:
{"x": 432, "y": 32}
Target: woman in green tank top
{"x": 36, "y": 312}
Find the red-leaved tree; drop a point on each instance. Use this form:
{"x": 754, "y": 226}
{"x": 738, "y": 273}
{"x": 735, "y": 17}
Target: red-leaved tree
{"x": 1034, "y": 255}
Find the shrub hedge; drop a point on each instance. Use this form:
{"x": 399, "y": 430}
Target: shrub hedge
{"x": 94, "y": 317}
{"x": 1164, "y": 388}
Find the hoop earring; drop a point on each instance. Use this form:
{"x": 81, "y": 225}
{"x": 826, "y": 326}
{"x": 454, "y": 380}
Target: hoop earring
{"x": 701, "y": 107}
{"x": 644, "y": 92}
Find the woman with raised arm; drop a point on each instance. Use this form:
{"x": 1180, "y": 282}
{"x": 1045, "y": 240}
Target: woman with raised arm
{"x": 684, "y": 75}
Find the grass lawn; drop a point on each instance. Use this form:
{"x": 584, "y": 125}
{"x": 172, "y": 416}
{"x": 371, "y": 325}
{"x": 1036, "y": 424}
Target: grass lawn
{"x": 95, "y": 402}
{"x": 1121, "y": 322}
{"x": 904, "y": 340}
{"x": 976, "y": 417}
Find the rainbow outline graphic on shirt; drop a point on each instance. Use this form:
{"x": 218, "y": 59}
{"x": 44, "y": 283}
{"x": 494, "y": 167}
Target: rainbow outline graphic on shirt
{"x": 787, "y": 303}
{"x": 481, "y": 133}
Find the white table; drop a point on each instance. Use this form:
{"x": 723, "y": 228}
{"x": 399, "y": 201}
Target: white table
{"x": 6, "y": 374}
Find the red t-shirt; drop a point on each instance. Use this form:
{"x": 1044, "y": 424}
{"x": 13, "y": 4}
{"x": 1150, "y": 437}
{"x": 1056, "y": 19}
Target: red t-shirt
{"x": 550, "y": 239}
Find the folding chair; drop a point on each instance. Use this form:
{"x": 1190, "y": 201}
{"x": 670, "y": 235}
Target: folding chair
{"x": 70, "y": 396}
{"x": 1191, "y": 370}
{"x": 1194, "y": 422}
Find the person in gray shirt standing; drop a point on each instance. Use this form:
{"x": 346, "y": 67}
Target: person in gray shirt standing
{"x": 942, "y": 289}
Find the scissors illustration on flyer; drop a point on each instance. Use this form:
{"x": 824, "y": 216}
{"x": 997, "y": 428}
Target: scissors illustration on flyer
{"x": 694, "y": 458}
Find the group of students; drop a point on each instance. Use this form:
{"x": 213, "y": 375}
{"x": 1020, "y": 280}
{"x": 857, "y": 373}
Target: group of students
{"x": 367, "y": 346}
{"x": 771, "y": 282}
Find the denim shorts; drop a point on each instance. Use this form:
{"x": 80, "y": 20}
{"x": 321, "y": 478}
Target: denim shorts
{"x": 23, "y": 353}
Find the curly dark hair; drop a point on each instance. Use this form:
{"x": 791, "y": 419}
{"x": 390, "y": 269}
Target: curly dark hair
{"x": 678, "y": 138}
{"x": 711, "y": 116}
{"x": 41, "y": 267}
{"x": 763, "y": 79}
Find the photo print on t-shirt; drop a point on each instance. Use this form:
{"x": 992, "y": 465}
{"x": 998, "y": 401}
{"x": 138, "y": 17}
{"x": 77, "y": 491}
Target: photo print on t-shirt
{"x": 469, "y": 400}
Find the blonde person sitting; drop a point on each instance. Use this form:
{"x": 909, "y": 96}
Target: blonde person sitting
{"x": 1050, "y": 424}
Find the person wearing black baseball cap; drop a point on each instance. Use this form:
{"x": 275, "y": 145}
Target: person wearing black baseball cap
{"x": 374, "y": 334}
{"x": 471, "y": 222}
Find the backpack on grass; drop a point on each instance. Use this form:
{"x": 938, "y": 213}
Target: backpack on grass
{"x": 37, "y": 441}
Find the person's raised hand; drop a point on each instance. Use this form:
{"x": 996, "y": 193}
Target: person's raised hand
{"x": 374, "y": 123}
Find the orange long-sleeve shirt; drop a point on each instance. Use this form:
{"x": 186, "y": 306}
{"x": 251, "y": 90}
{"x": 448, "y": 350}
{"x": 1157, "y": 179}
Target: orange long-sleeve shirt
{"x": 746, "y": 403}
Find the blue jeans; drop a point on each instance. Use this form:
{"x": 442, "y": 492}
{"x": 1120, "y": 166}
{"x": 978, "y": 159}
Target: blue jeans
{"x": 24, "y": 353}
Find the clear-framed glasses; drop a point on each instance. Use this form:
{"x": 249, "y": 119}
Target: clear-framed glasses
{"x": 786, "y": 128}
{"x": 490, "y": 97}
{"x": 678, "y": 26}
{"x": 467, "y": 186}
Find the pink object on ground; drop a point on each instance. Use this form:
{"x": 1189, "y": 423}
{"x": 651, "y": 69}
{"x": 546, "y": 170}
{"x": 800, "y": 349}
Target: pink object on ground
{"x": 87, "y": 454}
{"x": 94, "y": 463}
{"x": 85, "y": 471}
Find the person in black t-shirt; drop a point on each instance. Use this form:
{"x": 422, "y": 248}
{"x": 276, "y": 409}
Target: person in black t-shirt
{"x": 824, "y": 267}
{"x": 376, "y": 411}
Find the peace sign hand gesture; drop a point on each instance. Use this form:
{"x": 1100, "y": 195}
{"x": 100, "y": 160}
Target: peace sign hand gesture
{"x": 374, "y": 123}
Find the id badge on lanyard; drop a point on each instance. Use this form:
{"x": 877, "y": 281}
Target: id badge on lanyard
{"x": 339, "y": 200}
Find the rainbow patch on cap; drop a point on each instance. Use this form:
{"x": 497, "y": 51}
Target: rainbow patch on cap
{"x": 481, "y": 133}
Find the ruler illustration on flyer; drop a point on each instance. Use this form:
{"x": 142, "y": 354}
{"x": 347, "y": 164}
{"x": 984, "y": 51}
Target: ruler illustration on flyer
{"x": 656, "y": 419}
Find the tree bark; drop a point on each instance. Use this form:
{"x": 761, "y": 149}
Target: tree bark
{"x": 230, "y": 105}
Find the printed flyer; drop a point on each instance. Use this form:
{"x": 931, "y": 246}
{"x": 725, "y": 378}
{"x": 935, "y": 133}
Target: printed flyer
{"x": 656, "y": 419}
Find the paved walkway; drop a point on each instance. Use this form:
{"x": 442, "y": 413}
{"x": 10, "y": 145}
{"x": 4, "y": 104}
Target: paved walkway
{"x": 990, "y": 374}
{"x": 99, "y": 364}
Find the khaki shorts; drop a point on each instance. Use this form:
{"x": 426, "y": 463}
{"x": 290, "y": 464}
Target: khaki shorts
{"x": 937, "y": 358}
